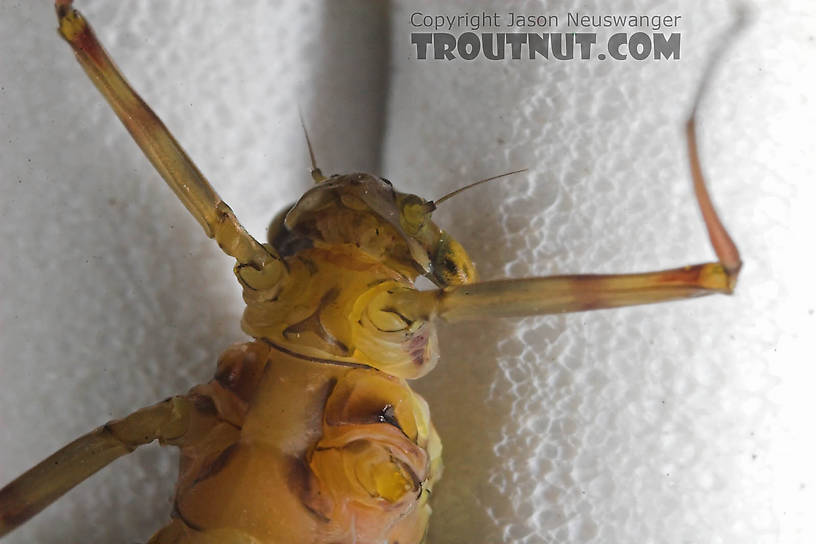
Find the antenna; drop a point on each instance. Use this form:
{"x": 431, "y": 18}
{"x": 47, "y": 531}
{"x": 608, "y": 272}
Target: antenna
{"x": 317, "y": 175}
{"x": 433, "y": 204}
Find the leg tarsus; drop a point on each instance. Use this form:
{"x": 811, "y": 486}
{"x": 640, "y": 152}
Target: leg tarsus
{"x": 724, "y": 247}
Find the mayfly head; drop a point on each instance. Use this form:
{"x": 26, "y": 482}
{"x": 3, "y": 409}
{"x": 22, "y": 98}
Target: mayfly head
{"x": 354, "y": 247}
{"x": 365, "y": 211}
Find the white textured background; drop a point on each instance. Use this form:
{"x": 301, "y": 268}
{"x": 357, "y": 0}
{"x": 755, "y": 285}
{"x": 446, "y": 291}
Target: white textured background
{"x": 687, "y": 422}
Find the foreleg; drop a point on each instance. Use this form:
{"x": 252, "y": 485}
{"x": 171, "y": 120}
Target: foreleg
{"x": 258, "y": 265}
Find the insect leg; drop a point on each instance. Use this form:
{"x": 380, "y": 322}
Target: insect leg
{"x": 166, "y": 155}
{"x": 560, "y": 294}
{"x": 580, "y": 292}
{"x": 572, "y": 293}
{"x": 167, "y": 421}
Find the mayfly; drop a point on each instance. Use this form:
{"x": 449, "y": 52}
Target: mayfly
{"x": 310, "y": 432}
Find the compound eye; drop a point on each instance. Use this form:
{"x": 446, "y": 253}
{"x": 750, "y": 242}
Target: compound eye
{"x": 414, "y": 214}
{"x": 276, "y": 226}
{"x": 277, "y": 230}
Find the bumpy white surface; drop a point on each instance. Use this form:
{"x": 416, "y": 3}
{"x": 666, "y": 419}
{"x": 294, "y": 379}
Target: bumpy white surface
{"x": 687, "y": 422}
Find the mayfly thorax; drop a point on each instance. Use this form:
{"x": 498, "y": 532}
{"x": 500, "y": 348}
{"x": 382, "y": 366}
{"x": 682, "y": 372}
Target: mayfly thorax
{"x": 310, "y": 432}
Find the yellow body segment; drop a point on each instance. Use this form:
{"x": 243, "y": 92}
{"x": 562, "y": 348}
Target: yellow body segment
{"x": 303, "y": 451}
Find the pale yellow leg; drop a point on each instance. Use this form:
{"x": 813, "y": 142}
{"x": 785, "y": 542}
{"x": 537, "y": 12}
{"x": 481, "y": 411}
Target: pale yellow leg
{"x": 167, "y": 421}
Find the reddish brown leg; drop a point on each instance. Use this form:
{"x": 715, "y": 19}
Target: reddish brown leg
{"x": 572, "y": 293}
{"x": 263, "y": 266}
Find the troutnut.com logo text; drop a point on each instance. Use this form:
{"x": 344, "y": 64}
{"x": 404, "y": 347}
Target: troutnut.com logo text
{"x": 516, "y": 36}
